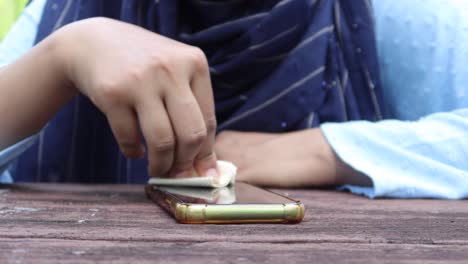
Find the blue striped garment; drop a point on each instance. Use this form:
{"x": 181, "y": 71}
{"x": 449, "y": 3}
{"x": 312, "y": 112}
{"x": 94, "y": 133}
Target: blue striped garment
{"x": 276, "y": 66}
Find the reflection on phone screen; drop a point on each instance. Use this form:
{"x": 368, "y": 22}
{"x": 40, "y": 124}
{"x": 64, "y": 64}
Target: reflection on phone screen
{"x": 239, "y": 193}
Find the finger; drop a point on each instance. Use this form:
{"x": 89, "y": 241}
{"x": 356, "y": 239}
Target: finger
{"x": 189, "y": 129}
{"x": 205, "y": 161}
{"x": 159, "y": 136}
{"x": 124, "y": 125}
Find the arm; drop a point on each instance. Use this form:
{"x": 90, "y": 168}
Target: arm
{"x": 18, "y": 41}
{"x": 34, "y": 88}
{"x": 158, "y": 86}
{"x": 425, "y": 158}
{"x": 296, "y": 159}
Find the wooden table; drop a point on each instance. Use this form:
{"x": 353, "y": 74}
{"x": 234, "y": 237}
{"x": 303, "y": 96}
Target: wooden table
{"x": 116, "y": 223}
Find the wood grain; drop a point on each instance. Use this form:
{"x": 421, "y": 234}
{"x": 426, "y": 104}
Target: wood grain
{"x": 116, "y": 223}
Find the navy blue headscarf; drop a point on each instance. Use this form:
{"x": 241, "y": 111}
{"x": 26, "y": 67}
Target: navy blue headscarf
{"x": 275, "y": 66}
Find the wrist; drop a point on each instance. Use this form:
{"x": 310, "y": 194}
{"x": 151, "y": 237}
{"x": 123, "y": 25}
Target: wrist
{"x": 59, "y": 49}
{"x": 320, "y": 159}
{"x": 342, "y": 172}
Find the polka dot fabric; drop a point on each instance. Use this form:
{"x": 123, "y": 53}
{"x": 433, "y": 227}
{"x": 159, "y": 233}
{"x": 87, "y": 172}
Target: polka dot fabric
{"x": 423, "y": 52}
{"x": 422, "y": 48}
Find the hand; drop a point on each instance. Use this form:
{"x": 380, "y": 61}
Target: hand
{"x": 296, "y": 159}
{"x": 145, "y": 82}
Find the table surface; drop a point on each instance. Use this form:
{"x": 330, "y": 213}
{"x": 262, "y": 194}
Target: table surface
{"x": 43, "y": 223}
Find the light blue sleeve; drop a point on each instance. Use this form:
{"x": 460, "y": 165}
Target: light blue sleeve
{"x": 19, "y": 40}
{"x": 427, "y": 158}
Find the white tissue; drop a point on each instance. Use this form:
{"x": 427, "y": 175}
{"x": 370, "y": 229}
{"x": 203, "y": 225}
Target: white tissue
{"x": 225, "y": 195}
{"x": 227, "y": 175}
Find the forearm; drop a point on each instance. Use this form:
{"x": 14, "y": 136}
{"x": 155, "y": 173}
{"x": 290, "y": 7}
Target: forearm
{"x": 296, "y": 159}
{"x": 33, "y": 88}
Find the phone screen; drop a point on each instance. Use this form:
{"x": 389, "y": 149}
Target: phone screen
{"x": 239, "y": 193}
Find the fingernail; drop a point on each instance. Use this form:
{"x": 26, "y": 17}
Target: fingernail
{"x": 213, "y": 172}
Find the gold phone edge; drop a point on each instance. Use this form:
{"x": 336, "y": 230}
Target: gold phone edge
{"x": 185, "y": 213}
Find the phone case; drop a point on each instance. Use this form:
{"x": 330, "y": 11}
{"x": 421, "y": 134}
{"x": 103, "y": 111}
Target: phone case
{"x": 188, "y": 213}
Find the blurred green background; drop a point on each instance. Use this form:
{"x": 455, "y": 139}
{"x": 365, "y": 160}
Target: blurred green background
{"x": 9, "y": 12}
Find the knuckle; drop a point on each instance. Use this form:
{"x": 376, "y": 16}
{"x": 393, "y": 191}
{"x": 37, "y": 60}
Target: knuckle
{"x": 199, "y": 60}
{"x": 164, "y": 69}
{"x": 108, "y": 91}
{"x": 136, "y": 75}
{"x": 205, "y": 157}
{"x": 164, "y": 145}
{"x": 195, "y": 138}
{"x": 211, "y": 124}
{"x": 160, "y": 64}
{"x": 96, "y": 21}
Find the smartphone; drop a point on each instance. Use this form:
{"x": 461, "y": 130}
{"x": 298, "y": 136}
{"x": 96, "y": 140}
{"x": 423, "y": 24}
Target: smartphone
{"x": 239, "y": 203}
